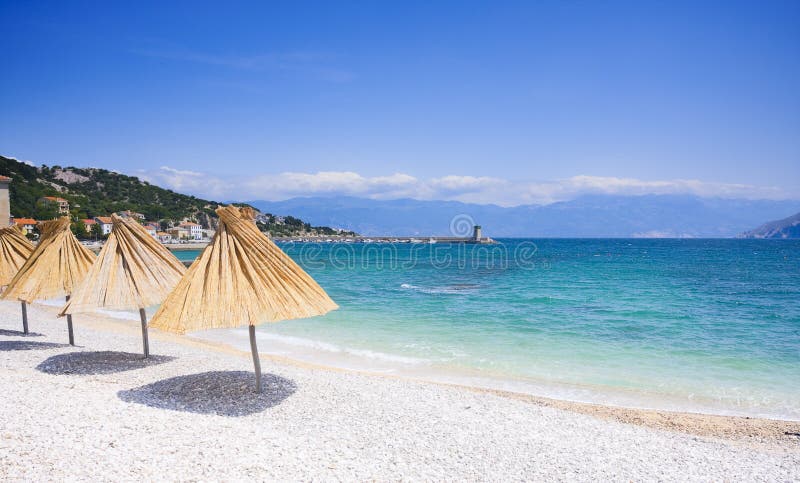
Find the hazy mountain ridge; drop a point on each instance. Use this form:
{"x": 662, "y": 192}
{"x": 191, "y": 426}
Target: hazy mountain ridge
{"x": 788, "y": 227}
{"x": 586, "y": 216}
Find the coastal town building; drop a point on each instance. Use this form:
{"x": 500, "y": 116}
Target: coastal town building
{"x": 88, "y": 223}
{"x": 105, "y": 224}
{"x": 5, "y": 202}
{"x": 195, "y": 230}
{"x": 131, "y": 214}
{"x": 163, "y": 237}
{"x": 152, "y": 229}
{"x": 179, "y": 233}
{"x": 26, "y": 224}
{"x": 61, "y": 204}
{"x": 262, "y": 218}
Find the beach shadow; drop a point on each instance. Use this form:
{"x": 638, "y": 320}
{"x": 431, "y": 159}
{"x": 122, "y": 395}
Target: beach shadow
{"x": 19, "y": 333}
{"x": 24, "y": 345}
{"x": 93, "y": 363}
{"x": 224, "y": 393}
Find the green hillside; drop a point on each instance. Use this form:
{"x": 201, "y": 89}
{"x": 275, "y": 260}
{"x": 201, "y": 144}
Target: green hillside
{"x": 99, "y": 192}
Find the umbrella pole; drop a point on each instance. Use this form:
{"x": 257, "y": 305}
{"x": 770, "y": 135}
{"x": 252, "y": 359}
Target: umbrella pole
{"x": 256, "y": 362}
{"x": 69, "y": 327}
{"x": 145, "y": 341}
{"x": 24, "y": 317}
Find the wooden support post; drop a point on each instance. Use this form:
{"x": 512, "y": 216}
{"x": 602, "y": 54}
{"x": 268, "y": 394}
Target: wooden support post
{"x": 24, "y": 318}
{"x": 145, "y": 341}
{"x": 256, "y": 361}
{"x": 69, "y": 327}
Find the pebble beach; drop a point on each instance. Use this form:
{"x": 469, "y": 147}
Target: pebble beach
{"x": 97, "y": 411}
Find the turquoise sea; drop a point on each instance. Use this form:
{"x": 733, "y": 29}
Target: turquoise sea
{"x": 700, "y": 325}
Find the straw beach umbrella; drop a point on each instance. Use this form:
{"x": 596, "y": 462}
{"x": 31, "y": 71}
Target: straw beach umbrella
{"x": 54, "y": 269}
{"x": 133, "y": 271}
{"x": 241, "y": 277}
{"x": 14, "y": 250}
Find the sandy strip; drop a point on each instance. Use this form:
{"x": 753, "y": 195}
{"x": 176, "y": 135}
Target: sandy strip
{"x": 95, "y": 412}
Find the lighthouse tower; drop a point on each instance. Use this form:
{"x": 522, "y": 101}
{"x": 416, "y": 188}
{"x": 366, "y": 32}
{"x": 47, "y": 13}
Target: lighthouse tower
{"x": 476, "y": 233}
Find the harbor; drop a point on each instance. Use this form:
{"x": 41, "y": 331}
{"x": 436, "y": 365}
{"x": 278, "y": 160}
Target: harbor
{"x": 476, "y": 238}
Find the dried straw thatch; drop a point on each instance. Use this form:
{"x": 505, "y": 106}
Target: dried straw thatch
{"x": 133, "y": 271}
{"x": 54, "y": 269}
{"x": 14, "y": 250}
{"x": 241, "y": 278}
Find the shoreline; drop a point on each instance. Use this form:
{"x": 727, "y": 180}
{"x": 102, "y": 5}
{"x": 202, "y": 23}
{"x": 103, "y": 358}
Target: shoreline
{"x": 191, "y": 410}
{"x": 739, "y": 429}
{"x": 173, "y": 247}
{"x": 324, "y": 353}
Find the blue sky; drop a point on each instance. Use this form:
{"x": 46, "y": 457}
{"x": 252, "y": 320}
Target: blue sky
{"x": 505, "y": 102}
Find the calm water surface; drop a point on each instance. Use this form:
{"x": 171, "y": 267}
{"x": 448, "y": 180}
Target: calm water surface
{"x": 709, "y": 325}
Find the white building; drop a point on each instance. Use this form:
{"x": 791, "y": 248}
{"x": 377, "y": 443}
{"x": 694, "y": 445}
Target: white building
{"x": 152, "y": 229}
{"x": 131, "y": 214}
{"x": 195, "y": 230}
{"x": 26, "y": 224}
{"x": 61, "y": 204}
{"x": 105, "y": 224}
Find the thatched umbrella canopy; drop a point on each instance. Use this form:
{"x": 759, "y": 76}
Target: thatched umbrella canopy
{"x": 14, "y": 250}
{"x": 54, "y": 269}
{"x": 241, "y": 277}
{"x": 133, "y": 271}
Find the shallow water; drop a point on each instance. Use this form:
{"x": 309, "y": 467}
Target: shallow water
{"x": 708, "y": 325}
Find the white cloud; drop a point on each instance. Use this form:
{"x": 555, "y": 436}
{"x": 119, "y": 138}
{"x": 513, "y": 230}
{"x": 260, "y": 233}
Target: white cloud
{"x": 470, "y": 189}
{"x": 456, "y": 184}
{"x": 190, "y": 182}
{"x": 578, "y": 185}
{"x": 331, "y": 182}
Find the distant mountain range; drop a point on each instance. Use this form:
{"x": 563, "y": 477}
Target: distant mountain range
{"x": 785, "y": 228}
{"x": 587, "y": 216}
